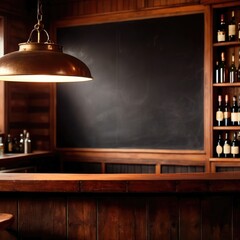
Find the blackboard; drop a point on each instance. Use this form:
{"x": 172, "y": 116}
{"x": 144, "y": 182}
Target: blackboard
{"x": 148, "y": 85}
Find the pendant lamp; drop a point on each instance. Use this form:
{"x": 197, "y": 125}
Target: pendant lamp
{"x": 42, "y": 61}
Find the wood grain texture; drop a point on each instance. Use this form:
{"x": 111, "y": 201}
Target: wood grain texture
{"x": 43, "y": 218}
{"x": 82, "y": 218}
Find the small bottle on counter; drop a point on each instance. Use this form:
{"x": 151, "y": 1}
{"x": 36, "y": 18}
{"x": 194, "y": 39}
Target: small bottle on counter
{"x": 21, "y": 143}
{"x": 1, "y": 147}
{"x": 27, "y": 143}
{"x": 9, "y": 144}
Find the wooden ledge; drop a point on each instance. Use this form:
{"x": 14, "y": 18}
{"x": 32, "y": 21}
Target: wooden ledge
{"x": 120, "y": 183}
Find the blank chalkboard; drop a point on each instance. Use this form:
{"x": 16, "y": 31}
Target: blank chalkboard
{"x": 148, "y": 85}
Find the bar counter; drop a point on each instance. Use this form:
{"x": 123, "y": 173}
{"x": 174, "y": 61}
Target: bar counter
{"x": 122, "y": 206}
{"x": 119, "y": 183}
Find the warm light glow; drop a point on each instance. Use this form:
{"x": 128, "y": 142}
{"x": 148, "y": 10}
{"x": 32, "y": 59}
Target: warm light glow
{"x": 43, "y": 78}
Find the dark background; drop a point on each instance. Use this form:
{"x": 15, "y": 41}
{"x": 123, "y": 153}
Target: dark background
{"x": 147, "y": 90}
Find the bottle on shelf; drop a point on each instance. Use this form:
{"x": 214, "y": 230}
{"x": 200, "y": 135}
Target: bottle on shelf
{"x": 238, "y": 70}
{"x": 1, "y": 147}
{"x": 219, "y": 146}
{"x": 9, "y": 144}
{"x": 219, "y": 112}
{"x": 226, "y": 146}
{"x": 221, "y": 33}
{"x": 235, "y": 146}
{"x": 232, "y": 28}
{"x": 238, "y": 110}
{"x": 239, "y": 31}
{"x": 227, "y": 112}
{"x": 27, "y": 143}
{"x": 21, "y": 143}
{"x": 234, "y": 112}
{"x": 222, "y": 69}
{"x": 232, "y": 71}
{"x": 217, "y": 80}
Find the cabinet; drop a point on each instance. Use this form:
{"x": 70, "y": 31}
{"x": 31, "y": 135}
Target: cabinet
{"x": 231, "y": 89}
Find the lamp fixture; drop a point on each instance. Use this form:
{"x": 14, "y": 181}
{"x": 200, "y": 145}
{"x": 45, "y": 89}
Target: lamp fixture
{"x": 42, "y": 61}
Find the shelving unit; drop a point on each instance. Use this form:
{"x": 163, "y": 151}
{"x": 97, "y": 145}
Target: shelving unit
{"x": 232, "y": 89}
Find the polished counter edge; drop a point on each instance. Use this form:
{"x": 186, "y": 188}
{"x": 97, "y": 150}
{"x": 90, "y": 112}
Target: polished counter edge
{"x": 119, "y": 183}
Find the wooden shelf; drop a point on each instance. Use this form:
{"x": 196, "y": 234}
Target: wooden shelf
{"x": 224, "y": 159}
{"x": 226, "y": 44}
{"x": 226, "y": 128}
{"x": 227, "y": 84}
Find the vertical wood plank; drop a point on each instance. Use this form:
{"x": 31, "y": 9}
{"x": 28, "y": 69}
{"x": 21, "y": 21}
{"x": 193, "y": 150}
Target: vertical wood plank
{"x": 217, "y": 218}
{"x": 190, "y": 218}
{"x": 163, "y": 217}
{"x": 236, "y": 217}
{"x": 82, "y": 218}
{"x": 122, "y": 218}
{"x": 9, "y": 205}
{"x": 42, "y": 217}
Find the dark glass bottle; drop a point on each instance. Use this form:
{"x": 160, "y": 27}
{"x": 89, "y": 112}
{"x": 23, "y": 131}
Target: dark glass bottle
{"x": 222, "y": 69}
{"x": 239, "y": 111}
{"x": 21, "y": 143}
{"x": 221, "y": 33}
{"x": 232, "y": 28}
{"x": 217, "y": 80}
{"x": 238, "y": 70}
{"x": 235, "y": 146}
{"x": 219, "y": 146}
{"x": 239, "y": 31}
{"x": 227, "y": 112}
{"x": 9, "y": 144}
{"x": 219, "y": 112}
{"x": 234, "y": 112}
{"x": 226, "y": 146}
{"x": 232, "y": 71}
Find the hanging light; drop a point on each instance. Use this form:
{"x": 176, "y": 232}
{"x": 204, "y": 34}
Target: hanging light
{"x": 42, "y": 61}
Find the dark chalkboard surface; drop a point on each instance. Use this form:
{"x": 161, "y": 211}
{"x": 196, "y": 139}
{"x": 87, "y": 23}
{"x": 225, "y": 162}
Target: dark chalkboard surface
{"x": 147, "y": 90}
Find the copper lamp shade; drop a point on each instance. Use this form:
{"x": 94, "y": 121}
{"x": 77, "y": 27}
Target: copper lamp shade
{"x": 42, "y": 61}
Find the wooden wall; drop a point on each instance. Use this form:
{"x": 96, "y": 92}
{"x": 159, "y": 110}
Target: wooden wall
{"x": 143, "y": 217}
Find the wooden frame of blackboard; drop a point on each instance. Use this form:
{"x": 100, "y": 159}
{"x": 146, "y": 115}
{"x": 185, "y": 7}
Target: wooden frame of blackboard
{"x": 196, "y": 155}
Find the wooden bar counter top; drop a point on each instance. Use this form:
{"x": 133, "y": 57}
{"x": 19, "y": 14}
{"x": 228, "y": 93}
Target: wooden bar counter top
{"x": 119, "y": 183}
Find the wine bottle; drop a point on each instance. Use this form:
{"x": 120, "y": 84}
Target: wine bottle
{"x": 9, "y": 144}
{"x": 1, "y": 147}
{"x": 21, "y": 143}
{"x": 227, "y": 112}
{"x": 234, "y": 112}
{"x": 239, "y": 111}
{"x": 238, "y": 70}
{"x": 217, "y": 80}
{"x": 239, "y": 31}
{"x": 27, "y": 143}
{"x": 222, "y": 69}
{"x": 232, "y": 28}
{"x": 235, "y": 146}
{"x": 232, "y": 70}
{"x": 219, "y": 146}
{"x": 226, "y": 146}
{"x": 221, "y": 33}
{"x": 219, "y": 112}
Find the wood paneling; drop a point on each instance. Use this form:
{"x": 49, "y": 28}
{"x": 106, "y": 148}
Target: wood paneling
{"x": 110, "y": 217}
{"x": 43, "y": 218}
{"x": 31, "y": 107}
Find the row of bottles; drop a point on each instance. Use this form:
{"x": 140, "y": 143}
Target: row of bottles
{"x": 225, "y": 74}
{"x": 226, "y": 114}
{"x": 227, "y": 148}
{"x": 228, "y": 31}
{"x": 21, "y": 144}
